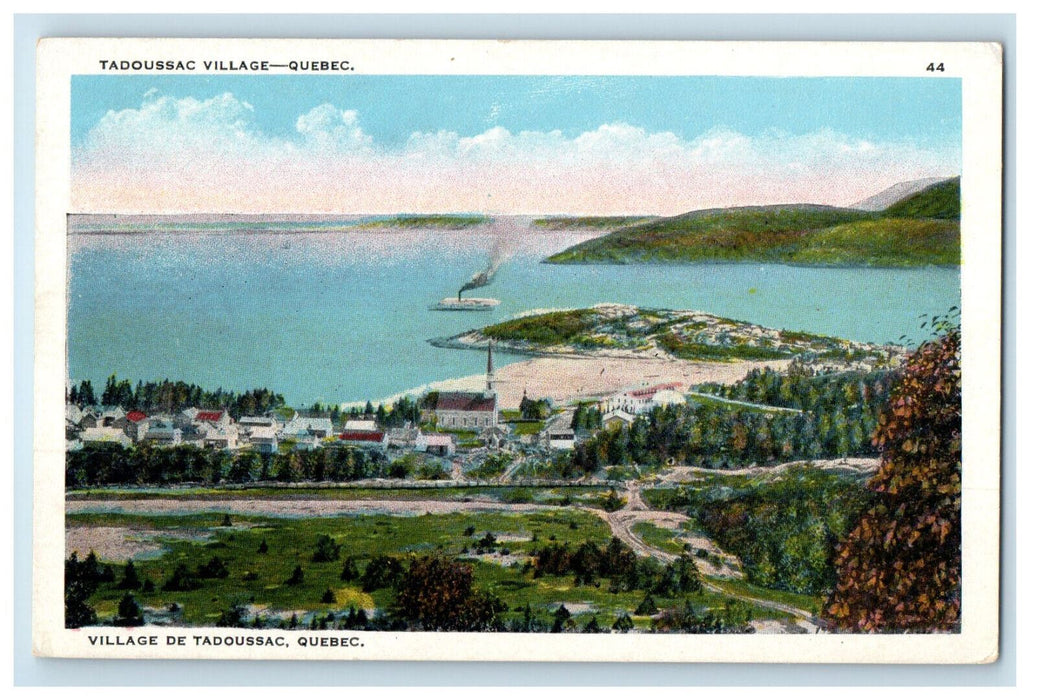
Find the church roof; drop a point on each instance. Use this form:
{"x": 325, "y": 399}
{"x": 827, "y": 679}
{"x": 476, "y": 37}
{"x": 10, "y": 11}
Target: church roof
{"x": 465, "y": 401}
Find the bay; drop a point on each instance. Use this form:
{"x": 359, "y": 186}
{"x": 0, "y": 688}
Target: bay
{"x": 336, "y": 314}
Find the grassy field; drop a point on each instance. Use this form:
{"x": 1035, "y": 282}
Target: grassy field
{"x": 260, "y": 554}
{"x": 341, "y": 493}
{"x": 658, "y": 537}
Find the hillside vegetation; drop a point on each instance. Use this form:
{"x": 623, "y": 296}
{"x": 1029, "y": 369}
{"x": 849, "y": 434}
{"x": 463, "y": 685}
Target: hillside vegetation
{"x": 438, "y": 221}
{"x": 921, "y": 229}
{"x": 567, "y": 223}
{"x": 940, "y": 201}
{"x": 687, "y": 335}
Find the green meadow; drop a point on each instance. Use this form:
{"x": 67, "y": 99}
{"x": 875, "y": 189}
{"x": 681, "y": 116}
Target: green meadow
{"x": 258, "y": 556}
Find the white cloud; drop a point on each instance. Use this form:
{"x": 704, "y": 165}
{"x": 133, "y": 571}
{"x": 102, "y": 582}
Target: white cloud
{"x": 187, "y": 154}
{"x": 327, "y": 126}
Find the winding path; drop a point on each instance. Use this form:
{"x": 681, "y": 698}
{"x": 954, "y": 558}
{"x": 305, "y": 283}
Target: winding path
{"x": 635, "y": 511}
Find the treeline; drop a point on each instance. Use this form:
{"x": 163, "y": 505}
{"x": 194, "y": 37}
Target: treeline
{"x": 171, "y": 397}
{"x": 803, "y": 390}
{"x": 837, "y": 416}
{"x": 142, "y": 464}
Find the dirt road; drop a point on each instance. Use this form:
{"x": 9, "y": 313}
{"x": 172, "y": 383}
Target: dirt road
{"x": 635, "y": 511}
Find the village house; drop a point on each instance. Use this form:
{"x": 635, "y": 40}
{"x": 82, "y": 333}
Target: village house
{"x": 221, "y": 437}
{"x": 163, "y": 431}
{"x": 134, "y": 422}
{"x": 355, "y": 425}
{"x": 558, "y": 433}
{"x": 263, "y": 439}
{"x": 439, "y": 444}
{"x": 376, "y": 439}
{"x": 306, "y": 433}
{"x": 616, "y": 419}
{"x": 112, "y": 417}
{"x": 405, "y": 438}
{"x": 103, "y": 435}
{"x": 73, "y": 421}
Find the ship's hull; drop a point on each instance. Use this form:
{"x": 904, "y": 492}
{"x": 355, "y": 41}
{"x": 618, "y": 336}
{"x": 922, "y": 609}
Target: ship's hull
{"x": 466, "y": 304}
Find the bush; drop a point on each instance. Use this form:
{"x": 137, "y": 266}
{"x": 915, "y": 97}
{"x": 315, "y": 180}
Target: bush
{"x": 326, "y": 549}
{"x": 214, "y": 568}
{"x": 437, "y": 594}
{"x": 181, "y": 580}
{"x": 381, "y": 572}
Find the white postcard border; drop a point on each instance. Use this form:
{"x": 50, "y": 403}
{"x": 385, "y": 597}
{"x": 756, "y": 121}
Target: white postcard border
{"x": 977, "y": 65}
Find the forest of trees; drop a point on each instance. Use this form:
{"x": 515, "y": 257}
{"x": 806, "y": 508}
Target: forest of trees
{"x": 836, "y": 415}
{"x": 784, "y": 531}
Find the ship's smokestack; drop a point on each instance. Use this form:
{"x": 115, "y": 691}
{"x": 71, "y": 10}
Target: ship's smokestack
{"x": 484, "y": 277}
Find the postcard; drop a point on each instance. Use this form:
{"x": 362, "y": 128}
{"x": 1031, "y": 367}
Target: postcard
{"x": 531, "y": 351}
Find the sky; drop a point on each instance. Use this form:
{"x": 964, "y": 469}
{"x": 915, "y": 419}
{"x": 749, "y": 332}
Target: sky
{"x": 501, "y": 144}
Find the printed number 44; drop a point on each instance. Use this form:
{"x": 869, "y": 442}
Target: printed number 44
{"x": 933, "y": 67}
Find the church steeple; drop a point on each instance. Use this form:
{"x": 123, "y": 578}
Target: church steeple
{"x": 490, "y": 378}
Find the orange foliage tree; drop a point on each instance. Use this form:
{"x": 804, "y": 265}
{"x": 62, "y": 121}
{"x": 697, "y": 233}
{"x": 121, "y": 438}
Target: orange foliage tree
{"x": 899, "y": 569}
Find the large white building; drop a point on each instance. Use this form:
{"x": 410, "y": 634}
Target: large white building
{"x": 642, "y": 399}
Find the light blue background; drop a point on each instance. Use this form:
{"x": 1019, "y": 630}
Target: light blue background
{"x": 28, "y": 28}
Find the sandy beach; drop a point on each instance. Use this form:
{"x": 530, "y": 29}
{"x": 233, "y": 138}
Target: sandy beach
{"x": 563, "y": 379}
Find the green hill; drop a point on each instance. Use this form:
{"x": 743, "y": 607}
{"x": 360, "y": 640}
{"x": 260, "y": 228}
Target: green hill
{"x": 921, "y": 229}
{"x": 940, "y": 201}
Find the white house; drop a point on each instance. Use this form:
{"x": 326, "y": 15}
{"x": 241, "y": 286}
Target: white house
{"x": 160, "y": 431}
{"x": 263, "y": 439}
{"x": 441, "y": 444}
{"x": 103, "y": 435}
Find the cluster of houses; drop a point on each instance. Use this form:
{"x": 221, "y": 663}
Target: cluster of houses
{"x": 216, "y": 429}
{"x": 460, "y": 411}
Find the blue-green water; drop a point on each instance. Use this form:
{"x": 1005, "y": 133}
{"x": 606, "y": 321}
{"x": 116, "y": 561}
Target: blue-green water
{"x": 343, "y": 315}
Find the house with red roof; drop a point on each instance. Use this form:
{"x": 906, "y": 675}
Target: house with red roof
{"x": 135, "y": 424}
{"x": 377, "y": 439}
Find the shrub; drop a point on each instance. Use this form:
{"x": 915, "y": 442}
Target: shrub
{"x": 326, "y": 549}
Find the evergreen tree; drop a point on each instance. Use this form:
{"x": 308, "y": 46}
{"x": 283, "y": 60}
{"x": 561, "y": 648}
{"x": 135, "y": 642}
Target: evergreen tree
{"x": 297, "y": 577}
{"x": 562, "y": 618}
{"x": 130, "y": 613}
{"x": 623, "y": 623}
{"x": 130, "y": 581}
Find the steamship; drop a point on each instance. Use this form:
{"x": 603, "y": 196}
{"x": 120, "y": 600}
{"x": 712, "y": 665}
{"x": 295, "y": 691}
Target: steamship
{"x": 464, "y": 304}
